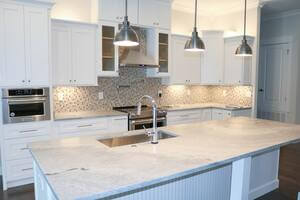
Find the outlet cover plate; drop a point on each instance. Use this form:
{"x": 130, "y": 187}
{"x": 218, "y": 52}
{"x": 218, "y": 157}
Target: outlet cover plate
{"x": 100, "y": 95}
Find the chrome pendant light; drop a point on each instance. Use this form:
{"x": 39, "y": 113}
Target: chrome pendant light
{"x": 126, "y": 37}
{"x": 244, "y": 49}
{"x": 195, "y": 44}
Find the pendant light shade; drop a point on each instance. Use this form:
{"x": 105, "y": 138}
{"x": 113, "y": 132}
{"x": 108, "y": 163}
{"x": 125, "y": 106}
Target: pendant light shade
{"x": 126, "y": 37}
{"x": 195, "y": 44}
{"x": 244, "y": 49}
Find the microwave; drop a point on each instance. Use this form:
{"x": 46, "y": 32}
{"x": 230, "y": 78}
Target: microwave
{"x": 25, "y": 105}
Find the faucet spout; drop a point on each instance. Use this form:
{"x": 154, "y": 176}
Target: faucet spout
{"x": 154, "y": 132}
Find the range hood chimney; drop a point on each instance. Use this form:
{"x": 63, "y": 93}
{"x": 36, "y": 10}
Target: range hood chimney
{"x": 143, "y": 55}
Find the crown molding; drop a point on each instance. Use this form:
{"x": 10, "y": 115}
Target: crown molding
{"x": 236, "y": 7}
{"x": 281, "y": 15}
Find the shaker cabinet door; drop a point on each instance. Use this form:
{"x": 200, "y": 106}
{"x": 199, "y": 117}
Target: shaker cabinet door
{"x": 84, "y": 56}
{"x": 114, "y": 10}
{"x": 61, "y": 55}
{"x": 37, "y": 46}
{"x": 12, "y": 52}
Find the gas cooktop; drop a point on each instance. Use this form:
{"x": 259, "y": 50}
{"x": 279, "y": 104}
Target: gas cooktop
{"x": 146, "y": 112}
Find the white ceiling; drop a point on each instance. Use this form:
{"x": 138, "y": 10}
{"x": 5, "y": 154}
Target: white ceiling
{"x": 279, "y": 6}
{"x": 213, "y": 7}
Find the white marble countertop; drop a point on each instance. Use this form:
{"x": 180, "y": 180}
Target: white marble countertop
{"x": 83, "y": 168}
{"x": 230, "y": 107}
{"x": 87, "y": 114}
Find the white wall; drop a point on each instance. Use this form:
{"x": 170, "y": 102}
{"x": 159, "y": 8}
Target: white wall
{"x": 287, "y": 26}
{"x": 77, "y": 10}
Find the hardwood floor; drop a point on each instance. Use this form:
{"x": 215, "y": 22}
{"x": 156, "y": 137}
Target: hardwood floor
{"x": 289, "y": 171}
{"x": 18, "y": 193}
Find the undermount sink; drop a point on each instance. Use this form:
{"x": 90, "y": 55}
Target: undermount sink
{"x": 133, "y": 139}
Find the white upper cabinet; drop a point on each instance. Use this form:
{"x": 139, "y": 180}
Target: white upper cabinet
{"x": 114, "y": 10}
{"x": 84, "y": 55}
{"x": 37, "y": 45}
{"x": 12, "y": 39}
{"x": 61, "y": 54}
{"x": 213, "y": 58}
{"x": 25, "y": 45}
{"x": 185, "y": 66}
{"x": 74, "y": 53}
{"x": 155, "y": 13}
{"x": 237, "y": 70}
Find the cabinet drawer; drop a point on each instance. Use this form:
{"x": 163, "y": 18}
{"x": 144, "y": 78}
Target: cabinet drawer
{"x": 82, "y": 126}
{"x": 28, "y": 130}
{"x": 17, "y": 148}
{"x": 19, "y": 169}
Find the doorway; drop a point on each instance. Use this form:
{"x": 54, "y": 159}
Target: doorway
{"x": 273, "y": 83}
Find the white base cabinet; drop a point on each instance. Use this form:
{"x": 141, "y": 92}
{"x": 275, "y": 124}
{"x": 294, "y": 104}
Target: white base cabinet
{"x": 219, "y": 114}
{"x": 71, "y": 128}
{"x": 24, "y": 49}
{"x": 74, "y": 47}
{"x": 198, "y": 115}
{"x": 17, "y": 162}
{"x": 16, "y": 159}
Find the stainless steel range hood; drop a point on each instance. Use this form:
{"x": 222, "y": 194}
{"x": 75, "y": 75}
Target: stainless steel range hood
{"x": 143, "y": 55}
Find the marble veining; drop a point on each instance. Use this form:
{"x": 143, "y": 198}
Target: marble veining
{"x": 86, "y": 169}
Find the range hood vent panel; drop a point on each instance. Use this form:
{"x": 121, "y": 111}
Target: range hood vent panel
{"x": 142, "y": 55}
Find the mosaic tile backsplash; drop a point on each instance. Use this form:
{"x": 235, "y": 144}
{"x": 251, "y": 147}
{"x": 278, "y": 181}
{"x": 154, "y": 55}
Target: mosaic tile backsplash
{"x": 126, "y": 90}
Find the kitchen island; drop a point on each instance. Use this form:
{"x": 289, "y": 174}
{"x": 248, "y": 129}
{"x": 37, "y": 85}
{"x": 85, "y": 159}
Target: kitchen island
{"x": 234, "y": 159}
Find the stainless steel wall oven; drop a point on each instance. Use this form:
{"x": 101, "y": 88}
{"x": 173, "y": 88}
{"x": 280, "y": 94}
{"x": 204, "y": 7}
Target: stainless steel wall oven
{"x": 25, "y": 105}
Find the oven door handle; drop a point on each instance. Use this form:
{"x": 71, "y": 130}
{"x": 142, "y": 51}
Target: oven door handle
{"x": 18, "y": 101}
{"x": 137, "y": 122}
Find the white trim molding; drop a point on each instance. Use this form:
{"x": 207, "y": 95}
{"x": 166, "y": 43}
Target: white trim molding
{"x": 216, "y": 11}
{"x": 281, "y": 15}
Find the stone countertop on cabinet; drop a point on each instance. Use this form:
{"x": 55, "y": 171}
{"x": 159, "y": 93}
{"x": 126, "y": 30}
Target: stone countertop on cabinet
{"x": 228, "y": 107}
{"x": 87, "y": 169}
{"x": 87, "y": 115}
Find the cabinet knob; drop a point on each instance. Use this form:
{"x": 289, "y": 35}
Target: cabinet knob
{"x": 29, "y": 81}
{"x": 70, "y": 81}
{"x": 74, "y": 80}
{"x": 23, "y": 81}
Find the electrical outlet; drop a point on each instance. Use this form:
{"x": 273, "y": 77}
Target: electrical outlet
{"x": 60, "y": 96}
{"x": 100, "y": 95}
{"x": 224, "y": 93}
{"x": 160, "y": 93}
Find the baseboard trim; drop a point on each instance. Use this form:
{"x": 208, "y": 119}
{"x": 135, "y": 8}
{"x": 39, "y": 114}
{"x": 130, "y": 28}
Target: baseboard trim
{"x": 13, "y": 184}
{"x": 264, "y": 189}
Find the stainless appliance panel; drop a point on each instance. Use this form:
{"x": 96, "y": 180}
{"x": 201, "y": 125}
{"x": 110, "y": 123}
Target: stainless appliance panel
{"x": 25, "y": 105}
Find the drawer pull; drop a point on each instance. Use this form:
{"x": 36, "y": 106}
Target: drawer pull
{"x": 120, "y": 119}
{"x": 84, "y": 126}
{"x": 27, "y": 169}
{"x": 22, "y": 149}
{"x": 28, "y": 131}
{"x": 184, "y": 115}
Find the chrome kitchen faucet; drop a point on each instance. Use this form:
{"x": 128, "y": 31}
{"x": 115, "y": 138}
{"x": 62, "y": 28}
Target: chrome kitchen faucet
{"x": 153, "y": 133}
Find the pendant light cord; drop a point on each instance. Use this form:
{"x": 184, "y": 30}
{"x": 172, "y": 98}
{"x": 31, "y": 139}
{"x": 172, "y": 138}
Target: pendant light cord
{"x": 245, "y": 18}
{"x": 126, "y": 9}
{"x": 196, "y": 13}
